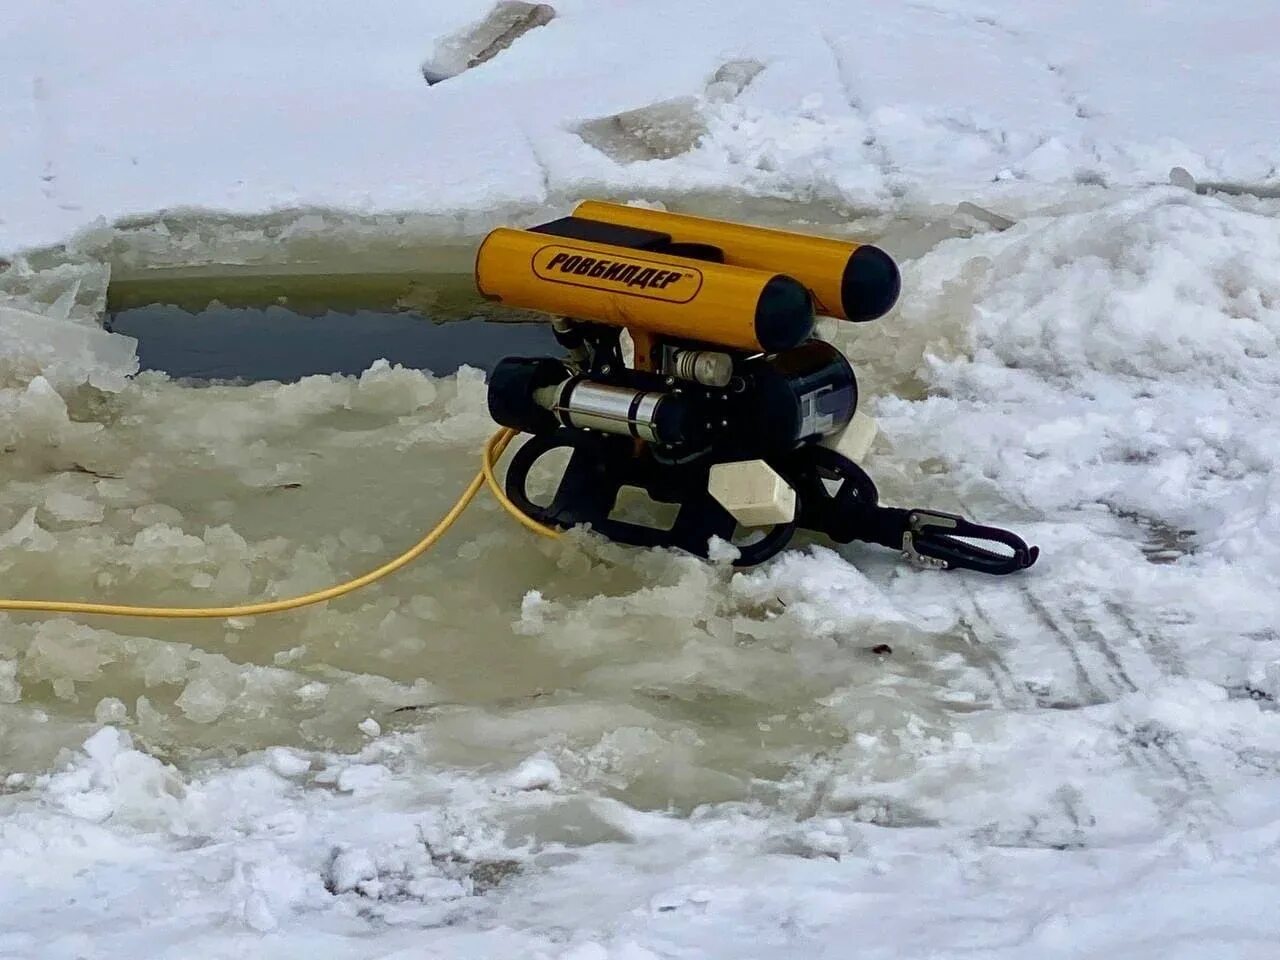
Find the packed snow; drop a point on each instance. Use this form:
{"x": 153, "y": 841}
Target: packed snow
{"x": 581, "y": 751}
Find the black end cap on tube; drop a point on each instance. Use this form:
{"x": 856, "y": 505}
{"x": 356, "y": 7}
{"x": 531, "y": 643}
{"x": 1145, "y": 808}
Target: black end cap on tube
{"x": 870, "y": 285}
{"x": 784, "y": 314}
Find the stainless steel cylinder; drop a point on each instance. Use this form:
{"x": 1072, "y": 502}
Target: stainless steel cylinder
{"x": 707, "y": 367}
{"x": 611, "y": 409}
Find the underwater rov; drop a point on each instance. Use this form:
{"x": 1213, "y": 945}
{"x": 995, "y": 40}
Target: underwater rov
{"x": 730, "y": 410}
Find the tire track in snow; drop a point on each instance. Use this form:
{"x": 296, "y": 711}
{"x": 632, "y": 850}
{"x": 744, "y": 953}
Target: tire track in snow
{"x": 1072, "y": 98}
{"x": 1105, "y": 675}
{"x": 1010, "y": 694}
{"x": 878, "y": 152}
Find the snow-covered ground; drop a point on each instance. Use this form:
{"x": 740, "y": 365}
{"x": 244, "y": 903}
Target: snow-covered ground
{"x": 126, "y": 107}
{"x": 575, "y": 750}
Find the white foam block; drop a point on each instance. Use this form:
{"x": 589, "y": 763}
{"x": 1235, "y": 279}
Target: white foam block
{"x": 855, "y": 440}
{"x": 753, "y": 492}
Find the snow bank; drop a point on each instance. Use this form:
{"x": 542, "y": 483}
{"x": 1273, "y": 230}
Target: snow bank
{"x": 252, "y": 107}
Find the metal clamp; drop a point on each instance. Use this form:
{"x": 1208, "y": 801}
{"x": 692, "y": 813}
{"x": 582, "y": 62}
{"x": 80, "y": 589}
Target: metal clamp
{"x": 940, "y": 541}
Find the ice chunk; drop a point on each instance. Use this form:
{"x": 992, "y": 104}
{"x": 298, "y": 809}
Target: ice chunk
{"x": 10, "y": 689}
{"x": 667, "y": 128}
{"x": 72, "y": 290}
{"x": 203, "y": 701}
{"x": 395, "y": 390}
{"x": 349, "y": 869}
{"x": 731, "y": 78}
{"x": 536, "y": 773}
{"x": 65, "y": 352}
{"x": 659, "y": 131}
{"x": 110, "y": 710}
{"x": 362, "y": 778}
{"x": 112, "y": 779}
{"x": 286, "y": 762}
{"x": 26, "y": 534}
{"x": 66, "y": 506}
{"x": 157, "y": 514}
{"x": 506, "y": 23}
{"x": 40, "y": 411}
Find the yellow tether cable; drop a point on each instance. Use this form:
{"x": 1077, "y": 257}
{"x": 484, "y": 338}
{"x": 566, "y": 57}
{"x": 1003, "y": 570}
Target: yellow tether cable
{"x": 492, "y": 451}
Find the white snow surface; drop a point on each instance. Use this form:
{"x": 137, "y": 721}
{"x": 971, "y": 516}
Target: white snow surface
{"x": 1081, "y": 761}
{"x": 127, "y": 106}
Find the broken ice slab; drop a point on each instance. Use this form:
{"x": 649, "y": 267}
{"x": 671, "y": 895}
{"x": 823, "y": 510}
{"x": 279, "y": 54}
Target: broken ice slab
{"x": 731, "y": 78}
{"x": 66, "y": 291}
{"x": 659, "y": 131}
{"x": 994, "y": 220}
{"x": 506, "y": 23}
{"x": 1181, "y": 177}
{"x": 667, "y": 128}
{"x": 66, "y": 353}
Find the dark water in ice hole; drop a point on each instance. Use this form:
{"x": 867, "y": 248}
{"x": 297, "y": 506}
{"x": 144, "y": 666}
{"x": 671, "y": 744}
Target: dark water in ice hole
{"x": 274, "y": 343}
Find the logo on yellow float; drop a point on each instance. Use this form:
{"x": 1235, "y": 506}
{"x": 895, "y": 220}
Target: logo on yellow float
{"x": 632, "y": 276}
